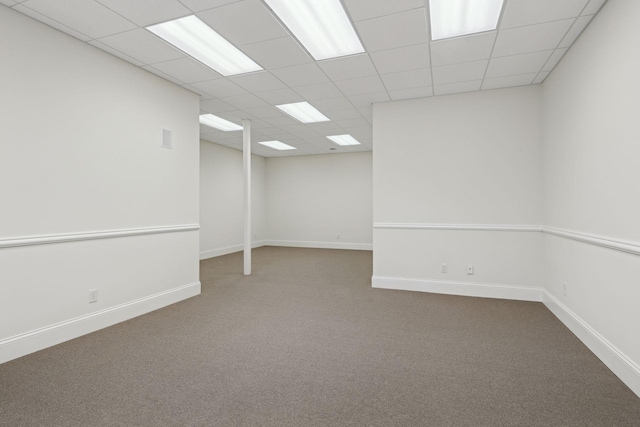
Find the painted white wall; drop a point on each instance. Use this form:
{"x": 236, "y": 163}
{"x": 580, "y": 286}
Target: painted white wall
{"x": 311, "y": 200}
{"x": 591, "y": 170}
{"x": 80, "y": 153}
{"x": 221, "y": 200}
{"x": 464, "y": 159}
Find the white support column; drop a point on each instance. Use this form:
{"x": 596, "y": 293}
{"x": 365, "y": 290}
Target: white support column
{"x": 246, "y": 156}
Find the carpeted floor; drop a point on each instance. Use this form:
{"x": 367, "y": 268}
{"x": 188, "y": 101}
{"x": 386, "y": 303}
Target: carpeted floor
{"x": 306, "y": 341}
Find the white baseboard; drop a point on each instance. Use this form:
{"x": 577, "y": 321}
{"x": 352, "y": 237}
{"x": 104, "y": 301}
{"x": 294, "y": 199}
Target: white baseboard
{"x": 320, "y": 245}
{"x": 610, "y": 355}
{"x": 212, "y": 253}
{"x": 468, "y": 289}
{"x": 29, "y": 342}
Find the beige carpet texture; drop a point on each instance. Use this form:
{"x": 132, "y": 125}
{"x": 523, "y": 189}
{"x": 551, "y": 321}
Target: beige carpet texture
{"x": 306, "y": 341}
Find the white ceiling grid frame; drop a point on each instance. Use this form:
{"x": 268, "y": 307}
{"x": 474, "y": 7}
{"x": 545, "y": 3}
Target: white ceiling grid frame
{"x": 147, "y": 12}
{"x": 399, "y": 62}
{"x": 85, "y": 16}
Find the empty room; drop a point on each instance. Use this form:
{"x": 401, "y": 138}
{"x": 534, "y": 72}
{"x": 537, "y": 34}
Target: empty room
{"x": 319, "y": 213}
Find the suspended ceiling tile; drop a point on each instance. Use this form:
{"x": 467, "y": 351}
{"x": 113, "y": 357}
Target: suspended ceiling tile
{"x": 415, "y": 92}
{"x": 143, "y": 46}
{"x": 52, "y": 23}
{"x": 200, "y": 5}
{"x": 187, "y": 70}
{"x": 554, "y": 59}
{"x": 258, "y": 81}
{"x": 401, "y": 59}
{"x": 215, "y": 106}
{"x": 280, "y": 96}
{"x": 451, "y": 88}
{"x": 361, "y": 85}
{"x": 593, "y": 7}
{"x": 86, "y": 17}
{"x": 114, "y": 52}
{"x": 407, "y": 79}
{"x": 462, "y": 49}
{"x": 243, "y": 22}
{"x": 333, "y": 104}
{"x": 219, "y": 88}
{"x": 351, "y": 113}
{"x": 282, "y": 121}
{"x": 576, "y": 29}
{"x": 368, "y": 98}
{"x": 348, "y": 67}
{"x": 246, "y": 100}
{"x": 203, "y": 94}
{"x": 147, "y": 12}
{"x": 517, "y": 64}
{"x": 366, "y": 9}
{"x": 510, "y": 81}
{"x": 318, "y": 91}
{"x": 268, "y": 112}
{"x": 8, "y": 2}
{"x": 277, "y": 53}
{"x": 519, "y": 13}
{"x": 532, "y": 38}
{"x": 540, "y": 77}
{"x": 459, "y": 72}
{"x": 352, "y": 123}
{"x": 159, "y": 73}
{"x": 408, "y": 28}
{"x": 301, "y": 75}
{"x": 327, "y": 128}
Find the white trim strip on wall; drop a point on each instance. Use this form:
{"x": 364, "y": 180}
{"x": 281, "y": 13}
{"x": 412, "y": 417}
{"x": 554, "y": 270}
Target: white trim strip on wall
{"x": 29, "y": 342}
{"x": 616, "y": 360}
{"x": 463, "y": 227}
{"x": 468, "y": 289}
{"x": 93, "y": 235}
{"x": 606, "y": 242}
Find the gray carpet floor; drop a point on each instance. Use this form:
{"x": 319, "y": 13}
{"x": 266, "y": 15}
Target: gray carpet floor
{"x": 306, "y": 341}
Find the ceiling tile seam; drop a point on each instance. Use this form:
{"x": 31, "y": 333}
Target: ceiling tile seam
{"x": 127, "y": 19}
{"x": 391, "y": 14}
{"x": 54, "y": 20}
{"x": 575, "y": 20}
{"x": 540, "y": 23}
{"x": 204, "y": 10}
{"x": 579, "y": 34}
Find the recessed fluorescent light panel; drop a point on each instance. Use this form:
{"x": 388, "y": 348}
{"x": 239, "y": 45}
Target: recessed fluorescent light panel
{"x": 452, "y": 18}
{"x": 344, "y": 140}
{"x": 277, "y": 145}
{"x": 197, "y": 39}
{"x": 304, "y": 112}
{"x": 322, "y": 27}
{"x": 218, "y": 123}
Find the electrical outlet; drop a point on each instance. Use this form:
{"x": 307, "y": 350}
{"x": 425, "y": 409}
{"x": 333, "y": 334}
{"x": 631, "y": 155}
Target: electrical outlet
{"x": 93, "y": 296}
{"x": 469, "y": 269}
{"x": 444, "y": 268}
{"x": 564, "y": 289}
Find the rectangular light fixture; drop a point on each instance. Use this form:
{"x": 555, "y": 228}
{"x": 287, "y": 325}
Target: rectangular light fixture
{"x": 277, "y": 145}
{"x": 452, "y": 18}
{"x": 218, "y": 123}
{"x": 344, "y": 140}
{"x": 322, "y": 27}
{"x": 304, "y": 112}
{"x": 198, "y": 40}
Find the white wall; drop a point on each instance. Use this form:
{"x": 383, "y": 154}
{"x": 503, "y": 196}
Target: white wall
{"x": 457, "y": 180}
{"x": 221, "y": 200}
{"x": 80, "y": 159}
{"x": 321, "y": 201}
{"x": 592, "y": 171}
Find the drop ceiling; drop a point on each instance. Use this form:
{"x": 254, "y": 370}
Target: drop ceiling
{"x": 400, "y": 61}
